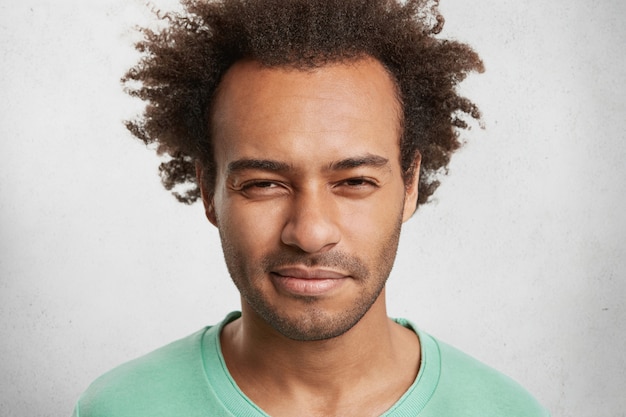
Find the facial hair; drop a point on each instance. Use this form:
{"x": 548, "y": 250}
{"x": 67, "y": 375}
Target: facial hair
{"x": 315, "y": 323}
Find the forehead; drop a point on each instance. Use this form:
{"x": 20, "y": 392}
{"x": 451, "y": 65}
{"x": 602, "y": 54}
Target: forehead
{"x": 353, "y": 103}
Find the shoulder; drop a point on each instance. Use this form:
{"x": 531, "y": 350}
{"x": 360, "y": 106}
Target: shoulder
{"x": 467, "y": 387}
{"x": 168, "y": 375}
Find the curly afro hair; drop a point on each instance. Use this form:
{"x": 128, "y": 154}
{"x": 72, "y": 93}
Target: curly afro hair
{"x": 182, "y": 65}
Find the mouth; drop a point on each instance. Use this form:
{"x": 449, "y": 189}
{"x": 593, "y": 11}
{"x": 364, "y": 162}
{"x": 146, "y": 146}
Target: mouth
{"x": 297, "y": 281}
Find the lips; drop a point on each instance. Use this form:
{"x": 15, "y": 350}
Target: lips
{"x": 307, "y": 282}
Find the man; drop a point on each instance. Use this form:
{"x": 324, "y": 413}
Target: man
{"x": 311, "y": 130}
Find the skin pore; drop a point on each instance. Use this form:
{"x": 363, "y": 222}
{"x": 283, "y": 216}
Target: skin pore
{"x": 309, "y": 200}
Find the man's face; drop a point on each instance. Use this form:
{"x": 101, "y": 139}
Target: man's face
{"x": 309, "y": 197}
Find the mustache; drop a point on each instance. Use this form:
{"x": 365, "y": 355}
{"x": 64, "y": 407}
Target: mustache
{"x": 349, "y": 264}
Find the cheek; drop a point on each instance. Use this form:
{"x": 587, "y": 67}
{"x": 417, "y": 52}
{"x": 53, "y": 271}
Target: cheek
{"x": 249, "y": 226}
{"x": 374, "y": 218}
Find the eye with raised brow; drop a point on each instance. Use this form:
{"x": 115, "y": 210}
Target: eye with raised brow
{"x": 356, "y": 187}
{"x": 359, "y": 181}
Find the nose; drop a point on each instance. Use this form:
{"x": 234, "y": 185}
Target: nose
{"x": 313, "y": 224}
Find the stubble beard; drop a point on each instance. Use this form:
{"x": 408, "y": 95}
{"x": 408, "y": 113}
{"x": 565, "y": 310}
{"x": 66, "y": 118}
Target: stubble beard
{"x": 313, "y": 322}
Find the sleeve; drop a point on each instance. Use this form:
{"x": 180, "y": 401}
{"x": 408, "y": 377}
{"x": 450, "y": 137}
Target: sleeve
{"x": 76, "y": 412}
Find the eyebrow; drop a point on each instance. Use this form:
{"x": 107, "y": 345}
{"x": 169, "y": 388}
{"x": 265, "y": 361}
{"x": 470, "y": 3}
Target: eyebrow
{"x": 367, "y": 160}
{"x": 258, "y": 164}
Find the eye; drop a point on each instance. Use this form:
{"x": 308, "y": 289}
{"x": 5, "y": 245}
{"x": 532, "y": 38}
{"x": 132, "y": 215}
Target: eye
{"x": 356, "y": 187}
{"x": 259, "y": 184}
{"x": 358, "y": 182}
{"x": 262, "y": 189}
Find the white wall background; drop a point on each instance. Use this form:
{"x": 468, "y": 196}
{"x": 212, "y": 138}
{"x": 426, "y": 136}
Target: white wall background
{"x": 521, "y": 261}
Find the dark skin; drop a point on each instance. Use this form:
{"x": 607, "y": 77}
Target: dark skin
{"x": 339, "y": 377}
{"x": 308, "y": 190}
{"x": 334, "y": 184}
{"x": 183, "y": 64}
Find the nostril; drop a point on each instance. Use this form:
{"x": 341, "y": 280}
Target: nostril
{"x": 310, "y": 230}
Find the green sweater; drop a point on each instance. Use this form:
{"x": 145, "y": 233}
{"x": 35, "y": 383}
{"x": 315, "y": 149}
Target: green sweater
{"x": 189, "y": 378}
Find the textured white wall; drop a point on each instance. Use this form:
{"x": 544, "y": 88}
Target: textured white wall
{"x": 521, "y": 260}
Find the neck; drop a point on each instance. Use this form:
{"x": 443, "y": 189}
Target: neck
{"x": 264, "y": 362}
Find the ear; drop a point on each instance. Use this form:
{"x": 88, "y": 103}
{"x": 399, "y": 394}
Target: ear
{"x": 207, "y": 197}
{"x": 411, "y": 190}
